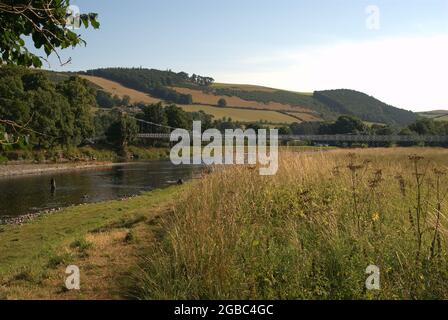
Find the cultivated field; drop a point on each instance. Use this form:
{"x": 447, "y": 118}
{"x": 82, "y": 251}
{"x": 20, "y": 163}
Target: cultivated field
{"x": 255, "y": 111}
{"x": 310, "y": 232}
{"x": 250, "y": 87}
{"x": 242, "y": 115}
{"x": 211, "y": 99}
{"x": 117, "y": 89}
{"x": 244, "y": 87}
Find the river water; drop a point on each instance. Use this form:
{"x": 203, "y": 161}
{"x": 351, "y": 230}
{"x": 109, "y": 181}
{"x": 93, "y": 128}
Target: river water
{"x": 30, "y": 194}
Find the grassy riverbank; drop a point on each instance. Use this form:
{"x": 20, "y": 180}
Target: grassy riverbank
{"x": 309, "y": 232}
{"x": 103, "y": 239}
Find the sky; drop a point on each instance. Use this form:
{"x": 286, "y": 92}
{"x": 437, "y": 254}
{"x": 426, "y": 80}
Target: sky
{"x": 395, "y": 50}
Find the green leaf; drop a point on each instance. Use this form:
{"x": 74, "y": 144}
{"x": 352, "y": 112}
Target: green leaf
{"x": 37, "y": 63}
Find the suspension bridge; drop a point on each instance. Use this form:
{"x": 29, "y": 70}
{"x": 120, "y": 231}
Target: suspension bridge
{"x": 146, "y": 126}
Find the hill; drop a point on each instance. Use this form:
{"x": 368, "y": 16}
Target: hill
{"x": 237, "y": 114}
{"x": 437, "y": 115}
{"x": 363, "y": 106}
{"x": 183, "y": 89}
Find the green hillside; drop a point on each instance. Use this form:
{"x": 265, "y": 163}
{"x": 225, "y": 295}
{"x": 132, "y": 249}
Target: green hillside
{"x": 280, "y": 96}
{"x": 363, "y": 106}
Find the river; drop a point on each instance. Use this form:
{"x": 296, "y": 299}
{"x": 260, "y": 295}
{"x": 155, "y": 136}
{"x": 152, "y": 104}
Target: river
{"x": 30, "y": 194}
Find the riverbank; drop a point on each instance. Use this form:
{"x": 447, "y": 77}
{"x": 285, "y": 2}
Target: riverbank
{"x": 104, "y": 240}
{"x": 83, "y": 158}
{"x": 31, "y": 169}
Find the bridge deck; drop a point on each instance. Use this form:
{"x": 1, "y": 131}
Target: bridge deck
{"x": 330, "y": 138}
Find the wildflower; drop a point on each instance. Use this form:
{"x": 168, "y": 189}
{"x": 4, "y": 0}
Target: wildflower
{"x": 375, "y": 217}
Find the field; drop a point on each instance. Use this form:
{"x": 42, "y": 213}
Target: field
{"x": 246, "y": 87}
{"x": 250, "y": 87}
{"x": 437, "y": 115}
{"x": 245, "y": 111}
{"x": 242, "y": 115}
{"x": 117, "y": 89}
{"x": 310, "y": 232}
{"x": 211, "y": 99}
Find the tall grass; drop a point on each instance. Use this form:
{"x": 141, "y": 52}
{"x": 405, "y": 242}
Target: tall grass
{"x": 309, "y": 232}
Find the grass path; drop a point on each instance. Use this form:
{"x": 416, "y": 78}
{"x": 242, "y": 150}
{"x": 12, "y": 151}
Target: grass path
{"x": 104, "y": 240}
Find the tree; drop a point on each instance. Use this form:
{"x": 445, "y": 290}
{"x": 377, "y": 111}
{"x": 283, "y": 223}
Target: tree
{"x": 49, "y": 123}
{"x": 44, "y": 22}
{"x": 285, "y": 131}
{"x": 424, "y": 127}
{"x": 31, "y": 105}
{"x": 206, "y": 119}
{"x": 155, "y": 113}
{"x": 222, "y": 103}
{"x": 178, "y": 118}
{"x": 348, "y": 124}
{"x": 14, "y": 102}
{"x": 122, "y": 132}
{"x": 104, "y": 99}
{"x": 306, "y": 128}
{"x": 103, "y": 120}
{"x": 81, "y": 98}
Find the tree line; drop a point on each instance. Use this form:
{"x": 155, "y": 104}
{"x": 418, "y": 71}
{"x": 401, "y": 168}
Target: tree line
{"x": 353, "y": 125}
{"x": 44, "y": 114}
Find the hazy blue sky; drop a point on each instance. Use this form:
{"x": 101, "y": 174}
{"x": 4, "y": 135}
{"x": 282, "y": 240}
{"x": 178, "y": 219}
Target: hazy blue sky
{"x": 302, "y": 45}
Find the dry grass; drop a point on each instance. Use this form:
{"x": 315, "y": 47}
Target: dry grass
{"x": 117, "y": 89}
{"x": 211, "y": 99}
{"x": 310, "y": 231}
{"x": 242, "y": 115}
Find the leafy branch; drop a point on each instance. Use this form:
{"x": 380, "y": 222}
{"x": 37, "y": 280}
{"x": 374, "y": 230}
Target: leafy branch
{"x": 45, "y": 21}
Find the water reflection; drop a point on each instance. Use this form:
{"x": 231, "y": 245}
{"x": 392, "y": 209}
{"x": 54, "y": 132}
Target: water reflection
{"x": 22, "y": 195}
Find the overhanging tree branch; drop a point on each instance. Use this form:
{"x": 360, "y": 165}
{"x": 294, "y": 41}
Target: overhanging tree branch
{"x": 45, "y": 21}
